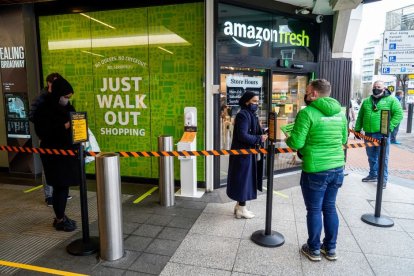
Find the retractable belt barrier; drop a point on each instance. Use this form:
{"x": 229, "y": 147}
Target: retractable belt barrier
{"x": 371, "y": 143}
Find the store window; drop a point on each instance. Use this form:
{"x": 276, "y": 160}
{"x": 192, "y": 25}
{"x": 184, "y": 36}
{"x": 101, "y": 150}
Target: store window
{"x": 133, "y": 71}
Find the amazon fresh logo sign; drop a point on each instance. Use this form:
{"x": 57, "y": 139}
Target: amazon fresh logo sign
{"x": 251, "y": 36}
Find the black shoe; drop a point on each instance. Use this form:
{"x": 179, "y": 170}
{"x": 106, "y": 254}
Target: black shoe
{"x": 66, "y": 225}
{"x": 313, "y": 255}
{"x": 329, "y": 254}
{"x": 384, "y": 186}
{"x": 49, "y": 201}
{"x": 370, "y": 179}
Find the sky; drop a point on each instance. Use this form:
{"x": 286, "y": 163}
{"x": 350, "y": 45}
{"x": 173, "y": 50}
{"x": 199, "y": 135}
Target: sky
{"x": 373, "y": 23}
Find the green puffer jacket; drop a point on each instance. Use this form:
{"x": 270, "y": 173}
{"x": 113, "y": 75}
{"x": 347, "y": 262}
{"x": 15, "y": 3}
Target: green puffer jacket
{"x": 370, "y": 120}
{"x": 319, "y": 132}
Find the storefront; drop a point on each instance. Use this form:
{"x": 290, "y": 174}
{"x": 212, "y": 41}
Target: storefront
{"x": 134, "y": 69}
{"x": 272, "y": 54}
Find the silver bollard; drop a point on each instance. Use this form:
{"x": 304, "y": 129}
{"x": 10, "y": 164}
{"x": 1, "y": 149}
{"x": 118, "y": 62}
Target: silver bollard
{"x": 108, "y": 180}
{"x": 166, "y": 172}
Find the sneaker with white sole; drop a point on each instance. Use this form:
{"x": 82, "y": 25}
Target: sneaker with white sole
{"x": 313, "y": 255}
{"x": 329, "y": 254}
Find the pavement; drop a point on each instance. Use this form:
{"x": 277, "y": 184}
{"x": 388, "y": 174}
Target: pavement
{"x": 202, "y": 236}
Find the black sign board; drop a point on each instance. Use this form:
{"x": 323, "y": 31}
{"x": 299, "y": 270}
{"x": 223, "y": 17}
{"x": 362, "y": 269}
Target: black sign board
{"x": 272, "y": 126}
{"x": 385, "y": 122}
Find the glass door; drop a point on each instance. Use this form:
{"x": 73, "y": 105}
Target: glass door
{"x": 233, "y": 83}
{"x": 288, "y": 92}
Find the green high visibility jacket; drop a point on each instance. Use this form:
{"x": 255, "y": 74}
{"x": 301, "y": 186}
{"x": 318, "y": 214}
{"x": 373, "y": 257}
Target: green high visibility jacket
{"x": 369, "y": 116}
{"x": 319, "y": 132}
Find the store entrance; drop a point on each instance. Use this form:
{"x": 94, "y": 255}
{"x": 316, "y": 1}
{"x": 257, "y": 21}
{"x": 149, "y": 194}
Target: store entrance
{"x": 281, "y": 93}
{"x": 287, "y": 99}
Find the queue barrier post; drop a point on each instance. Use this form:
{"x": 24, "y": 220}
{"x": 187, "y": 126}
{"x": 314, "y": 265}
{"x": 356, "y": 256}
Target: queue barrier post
{"x": 410, "y": 117}
{"x": 376, "y": 219}
{"x": 87, "y": 245}
{"x": 267, "y": 237}
{"x": 109, "y": 198}
{"x": 166, "y": 172}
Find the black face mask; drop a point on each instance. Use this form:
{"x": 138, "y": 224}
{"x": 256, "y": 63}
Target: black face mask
{"x": 307, "y": 102}
{"x": 377, "y": 91}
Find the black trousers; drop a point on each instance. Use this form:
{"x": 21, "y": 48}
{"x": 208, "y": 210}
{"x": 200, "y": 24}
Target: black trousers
{"x": 60, "y": 198}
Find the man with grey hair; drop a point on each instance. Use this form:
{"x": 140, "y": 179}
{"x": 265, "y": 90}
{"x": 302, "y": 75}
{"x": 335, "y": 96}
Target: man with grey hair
{"x": 369, "y": 120}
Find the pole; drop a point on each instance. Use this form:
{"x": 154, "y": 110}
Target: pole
{"x": 87, "y": 245}
{"x": 166, "y": 172}
{"x": 410, "y": 117}
{"x": 109, "y": 197}
{"x": 377, "y": 219}
{"x": 269, "y": 238}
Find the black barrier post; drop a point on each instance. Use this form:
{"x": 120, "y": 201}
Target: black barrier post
{"x": 376, "y": 219}
{"x": 267, "y": 237}
{"x": 87, "y": 245}
{"x": 410, "y": 117}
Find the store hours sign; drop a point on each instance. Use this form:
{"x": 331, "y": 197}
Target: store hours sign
{"x": 237, "y": 85}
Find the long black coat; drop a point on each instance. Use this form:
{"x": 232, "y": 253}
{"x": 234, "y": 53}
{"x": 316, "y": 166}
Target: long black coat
{"x": 245, "y": 172}
{"x": 49, "y": 121}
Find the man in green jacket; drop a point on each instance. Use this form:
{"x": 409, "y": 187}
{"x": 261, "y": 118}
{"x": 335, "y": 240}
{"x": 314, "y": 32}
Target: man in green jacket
{"x": 319, "y": 133}
{"x": 369, "y": 119}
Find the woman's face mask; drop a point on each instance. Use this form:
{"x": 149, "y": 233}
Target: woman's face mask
{"x": 63, "y": 101}
{"x": 253, "y": 107}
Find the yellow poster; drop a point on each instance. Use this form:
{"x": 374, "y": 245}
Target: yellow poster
{"x": 79, "y": 127}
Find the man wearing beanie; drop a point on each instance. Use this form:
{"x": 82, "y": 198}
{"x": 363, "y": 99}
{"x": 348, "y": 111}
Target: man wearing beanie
{"x": 369, "y": 120}
{"x": 244, "y": 175}
{"x": 52, "y": 126}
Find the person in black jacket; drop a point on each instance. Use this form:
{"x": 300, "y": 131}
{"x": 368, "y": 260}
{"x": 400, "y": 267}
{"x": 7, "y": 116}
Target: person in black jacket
{"x": 47, "y": 189}
{"x": 52, "y": 126}
{"x": 245, "y": 173}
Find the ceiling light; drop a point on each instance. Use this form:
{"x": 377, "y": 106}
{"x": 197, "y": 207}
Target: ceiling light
{"x": 96, "y": 20}
{"x": 302, "y": 11}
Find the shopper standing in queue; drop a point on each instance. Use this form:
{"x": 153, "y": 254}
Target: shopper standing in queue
{"x": 245, "y": 172}
{"x": 47, "y": 189}
{"x": 319, "y": 133}
{"x": 369, "y": 120}
{"x": 52, "y": 126}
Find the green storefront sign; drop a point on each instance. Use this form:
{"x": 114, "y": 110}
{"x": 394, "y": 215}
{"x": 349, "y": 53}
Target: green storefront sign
{"x": 133, "y": 72}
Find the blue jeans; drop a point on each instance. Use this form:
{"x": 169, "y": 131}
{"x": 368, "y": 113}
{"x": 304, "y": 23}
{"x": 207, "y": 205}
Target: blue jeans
{"x": 373, "y": 156}
{"x": 394, "y": 134}
{"x": 48, "y": 190}
{"x": 319, "y": 193}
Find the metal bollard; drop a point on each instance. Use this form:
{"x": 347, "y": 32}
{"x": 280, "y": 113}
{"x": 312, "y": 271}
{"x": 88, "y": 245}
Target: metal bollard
{"x": 108, "y": 188}
{"x": 166, "y": 172}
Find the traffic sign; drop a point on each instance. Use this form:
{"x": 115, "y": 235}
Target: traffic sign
{"x": 398, "y": 52}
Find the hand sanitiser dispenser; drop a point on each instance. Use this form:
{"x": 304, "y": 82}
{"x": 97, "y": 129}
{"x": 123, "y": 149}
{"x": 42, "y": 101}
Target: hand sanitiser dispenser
{"x": 188, "y": 164}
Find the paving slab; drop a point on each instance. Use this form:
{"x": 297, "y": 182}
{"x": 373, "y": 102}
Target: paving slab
{"x": 207, "y": 251}
{"x": 386, "y": 265}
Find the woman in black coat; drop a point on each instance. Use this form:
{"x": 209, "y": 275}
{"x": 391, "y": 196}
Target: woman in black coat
{"x": 244, "y": 177}
{"x": 52, "y": 126}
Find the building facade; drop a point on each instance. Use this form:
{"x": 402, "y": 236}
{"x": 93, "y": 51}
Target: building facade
{"x": 135, "y": 67}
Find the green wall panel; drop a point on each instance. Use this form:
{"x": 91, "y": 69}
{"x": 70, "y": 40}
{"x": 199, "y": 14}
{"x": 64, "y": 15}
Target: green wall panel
{"x": 135, "y": 74}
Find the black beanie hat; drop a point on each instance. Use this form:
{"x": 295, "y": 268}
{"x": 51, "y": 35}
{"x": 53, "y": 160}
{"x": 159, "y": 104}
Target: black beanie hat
{"x": 246, "y": 97}
{"x": 61, "y": 87}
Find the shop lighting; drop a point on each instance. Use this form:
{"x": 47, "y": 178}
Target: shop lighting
{"x": 90, "y": 53}
{"x": 165, "y": 50}
{"x": 96, "y": 20}
{"x": 302, "y": 11}
{"x": 123, "y": 41}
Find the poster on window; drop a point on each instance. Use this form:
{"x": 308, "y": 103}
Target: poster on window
{"x": 237, "y": 85}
